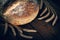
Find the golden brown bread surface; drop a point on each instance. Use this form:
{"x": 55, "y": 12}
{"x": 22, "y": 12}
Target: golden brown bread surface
{"x": 20, "y": 13}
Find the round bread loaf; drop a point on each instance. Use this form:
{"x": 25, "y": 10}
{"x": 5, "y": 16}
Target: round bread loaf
{"x": 21, "y": 12}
